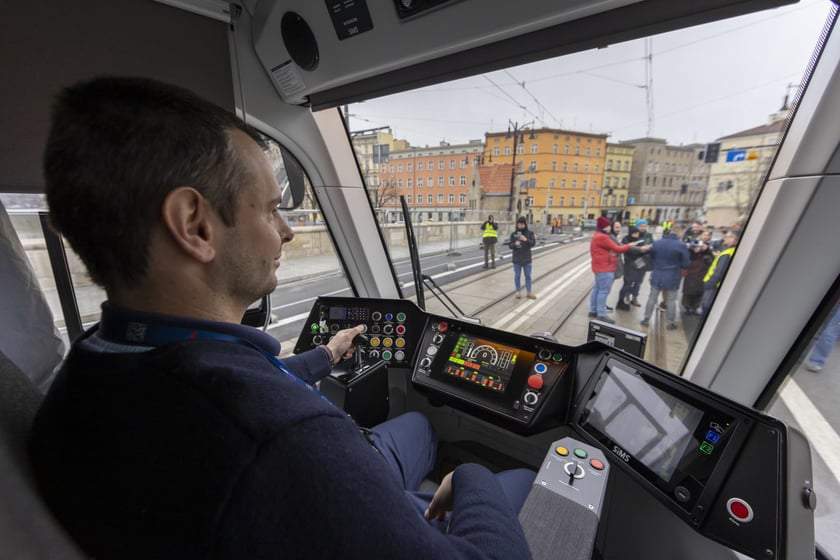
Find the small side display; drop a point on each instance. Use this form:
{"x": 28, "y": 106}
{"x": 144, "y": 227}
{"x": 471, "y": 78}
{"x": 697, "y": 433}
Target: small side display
{"x": 651, "y": 425}
{"x": 656, "y": 428}
{"x": 481, "y": 362}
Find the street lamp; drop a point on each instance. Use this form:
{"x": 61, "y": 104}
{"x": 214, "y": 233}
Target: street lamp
{"x": 516, "y": 129}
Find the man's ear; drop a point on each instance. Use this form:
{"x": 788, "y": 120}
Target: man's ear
{"x": 188, "y": 218}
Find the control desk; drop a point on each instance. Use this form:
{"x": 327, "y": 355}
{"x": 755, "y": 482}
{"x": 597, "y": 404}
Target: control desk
{"x": 734, "y": 475}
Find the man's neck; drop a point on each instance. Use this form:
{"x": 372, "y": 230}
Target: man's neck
{"x": 177, "y": 304}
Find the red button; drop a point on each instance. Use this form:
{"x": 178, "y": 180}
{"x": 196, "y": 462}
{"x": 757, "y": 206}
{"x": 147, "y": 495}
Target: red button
{"x": 443, "y": 327}
{"x": 740, "y": 510}
{"x": 596, "y": 464}
{"x": 535, "y": 381}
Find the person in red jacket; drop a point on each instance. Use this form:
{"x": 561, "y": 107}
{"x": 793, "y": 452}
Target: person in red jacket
{"x": 604, "y": 252}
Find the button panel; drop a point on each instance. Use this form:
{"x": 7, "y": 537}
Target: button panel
{"x": 569, "y": 474}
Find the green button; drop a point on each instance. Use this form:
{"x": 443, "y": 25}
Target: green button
{"x": 314, "y": 327}
{"x": 707, "y": 448}
{"x": 400, "y": 317}
{"x": 386, "y": 355}
{"x": 557, "y": 357}
{"x": 580, "y": 453}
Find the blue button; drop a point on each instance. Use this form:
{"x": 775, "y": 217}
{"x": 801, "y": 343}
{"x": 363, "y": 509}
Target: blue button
{"x": 540, "y": 368}
{"x": 712, "y": 436}
{"x": 389, "y": 316}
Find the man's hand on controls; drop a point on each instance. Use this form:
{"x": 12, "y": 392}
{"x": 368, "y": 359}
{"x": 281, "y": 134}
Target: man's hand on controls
{"x": 441, "y": 501}
{"x": 341, "y": 344}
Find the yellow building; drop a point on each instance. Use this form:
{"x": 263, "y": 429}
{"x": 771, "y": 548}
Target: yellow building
{"x": 617, "y": 169}
{"x": 558, "y": 173}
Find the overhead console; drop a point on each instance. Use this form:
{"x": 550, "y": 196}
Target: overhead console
{"x": 333, "y": 52}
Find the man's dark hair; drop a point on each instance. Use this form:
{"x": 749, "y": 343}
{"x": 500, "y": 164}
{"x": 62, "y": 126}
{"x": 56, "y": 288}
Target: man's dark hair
{"x": 116, "y": 148}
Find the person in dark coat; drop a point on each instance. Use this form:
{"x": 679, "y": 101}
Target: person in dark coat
{"x": 669, "y": 256}
{"x": 634, "y": 269}
{"x": 520, "y": 243}
{"x": 700, "y": 257}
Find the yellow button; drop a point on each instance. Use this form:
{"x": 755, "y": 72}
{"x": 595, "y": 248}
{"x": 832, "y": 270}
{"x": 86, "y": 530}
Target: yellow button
{"x": 562, "y": 451}
{"x": 374, "y": 341}
{"x": 400, "y": 342}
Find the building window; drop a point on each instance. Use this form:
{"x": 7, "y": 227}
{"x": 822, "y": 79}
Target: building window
{"x": 410, "y": 167}
{"x": 430, "y": 199}
{"x": 463, "y": 163}
{"x": 554, "y": 149}
{"x": 399, "y": 183}
{"x": 550, "y": 202}
{"x": 463, "y": 180}
{"x": 451, "y": 181}
{"x": 399, "y": 168}
{"x": 534, "y": 148}
{"x": 566, "y": 149}
{"x": 575, "y": 168}
{"x": 507, "y": 150}
{"x": 419, "y": 181}
{"x": 520, "y": 149}
{"x": 588, "y": 151}
{"x": 577, "y": 149}
{"x": 451, "y": 164}
{"x": 572, "y": 201}
{"x": 621, "y": 200}
{"x": 441, "y": 164}
{"x": 408, "y": 199}
{"x": 565, "y": 166}
{"x": 562, "y": 201}
{"x": 562, "y": 183}
{"x": 626, "y": 165}
{"x": 462, "y": 198}
{"x": 586, "y": 168}
{"x": 391, "y": 168}
{"x": 598, "y": 152}
{"x": 597, "y": 169}
{"x": 440, "y": 199}
{"x": 408, "y": 183}
{"x": 583, "y": 184}
{"x": 554, "y": 166}
{"x": 419, "y": 166}
{"x": 431, "y": 182}
{"x": 551, "y": 183}
{"x": 574, "y": 183}
{"x": 451, "y": 199}
{"x": 530, "y": 200}
{"x": 594, "y": 184}
{"x": 609, "y": 165}
{"x": 440, "y": 181}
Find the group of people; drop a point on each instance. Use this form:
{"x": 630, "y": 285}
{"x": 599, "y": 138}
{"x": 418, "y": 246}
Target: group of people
{"x": 688, "y": 260}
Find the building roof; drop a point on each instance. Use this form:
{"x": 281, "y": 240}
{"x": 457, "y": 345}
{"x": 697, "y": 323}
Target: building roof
{"x": 763, "y": 129}
{"x": 495, "y": 179}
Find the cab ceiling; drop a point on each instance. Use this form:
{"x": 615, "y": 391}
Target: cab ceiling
{"x": 367, "y": 50}
{"x": 45, "y": 46}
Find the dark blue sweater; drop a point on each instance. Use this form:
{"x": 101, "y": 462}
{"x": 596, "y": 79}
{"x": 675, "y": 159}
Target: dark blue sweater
{"x": 201, "y": 449}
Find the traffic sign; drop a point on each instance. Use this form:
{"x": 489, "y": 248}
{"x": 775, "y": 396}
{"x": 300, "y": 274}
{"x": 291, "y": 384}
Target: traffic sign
{"x": 736, "y": 155}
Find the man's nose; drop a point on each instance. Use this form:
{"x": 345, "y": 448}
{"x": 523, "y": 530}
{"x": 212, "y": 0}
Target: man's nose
{"x": 285, "y": 230}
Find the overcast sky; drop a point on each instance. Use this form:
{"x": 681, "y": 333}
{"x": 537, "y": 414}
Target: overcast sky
{"x": 707, "y": 82}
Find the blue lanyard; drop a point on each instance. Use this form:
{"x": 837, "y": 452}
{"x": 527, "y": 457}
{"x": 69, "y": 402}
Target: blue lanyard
{"x": 136, "y": 332}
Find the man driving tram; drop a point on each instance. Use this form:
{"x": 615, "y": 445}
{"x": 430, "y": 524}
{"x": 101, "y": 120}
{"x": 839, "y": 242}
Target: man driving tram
{"x": 172, "y": 431}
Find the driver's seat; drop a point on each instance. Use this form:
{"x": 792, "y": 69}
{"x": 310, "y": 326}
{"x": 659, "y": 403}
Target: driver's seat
{"x": 28, "y": 531}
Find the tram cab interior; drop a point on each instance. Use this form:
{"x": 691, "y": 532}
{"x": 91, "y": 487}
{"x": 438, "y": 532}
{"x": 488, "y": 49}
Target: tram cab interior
{"x": 633, "y": 461}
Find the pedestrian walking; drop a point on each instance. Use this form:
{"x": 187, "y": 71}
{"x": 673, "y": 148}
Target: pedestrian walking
{"x": 520, "y": 243}
{"x": 825, "y": 343}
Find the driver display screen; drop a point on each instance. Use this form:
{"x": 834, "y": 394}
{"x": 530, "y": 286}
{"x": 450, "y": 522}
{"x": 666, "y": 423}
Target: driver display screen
{"x": 481, "y": 363}
{"x": 649, "y": 424}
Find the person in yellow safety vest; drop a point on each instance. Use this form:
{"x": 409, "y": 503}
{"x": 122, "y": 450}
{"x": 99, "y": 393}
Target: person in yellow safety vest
{"x": 489, "y": 237}
{"x": 717, "y": 269}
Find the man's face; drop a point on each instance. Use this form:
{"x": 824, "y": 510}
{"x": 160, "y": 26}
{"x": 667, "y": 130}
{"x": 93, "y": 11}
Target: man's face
{"x": 706, "y": 236}
{"x": 642, "y": 228}
{"x": 729, "y": 239}
{"x": 250, "y": 250}
{"x": 696, "y": 228}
